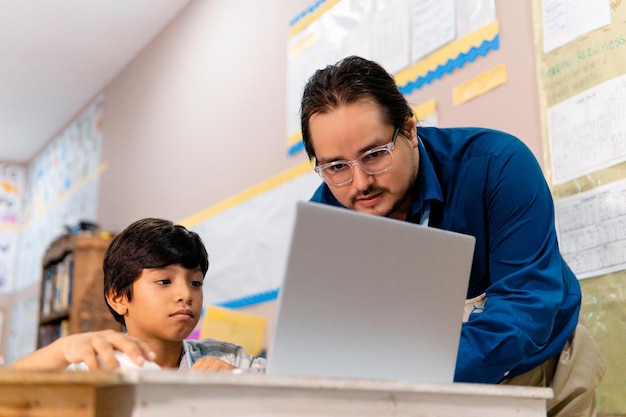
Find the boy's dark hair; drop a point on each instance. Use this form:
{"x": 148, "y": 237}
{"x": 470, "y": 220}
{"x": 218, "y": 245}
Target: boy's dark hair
{"x": 350, "y": 80}
{"x": 149, "y": 243}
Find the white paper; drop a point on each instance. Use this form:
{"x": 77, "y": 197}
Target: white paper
{"x": 565, "y": 20}
{"x": 343, "y": 30}
{"x": 587, "y": 132}
{"x": 472, "y": 15}
{"x": 390, "y": 34}
{"x": 248, "y": 252}
{"x": 433, "y": 24}
{"x": 592, "y": 230}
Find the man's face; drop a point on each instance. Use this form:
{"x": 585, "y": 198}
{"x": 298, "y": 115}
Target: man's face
{"x": 348, "y": 131}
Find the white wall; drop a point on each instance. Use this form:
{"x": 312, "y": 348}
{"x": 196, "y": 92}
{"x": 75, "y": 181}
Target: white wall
{"x": 199, "y": 114}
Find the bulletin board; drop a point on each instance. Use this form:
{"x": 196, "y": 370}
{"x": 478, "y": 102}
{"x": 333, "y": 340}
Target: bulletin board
{"x": 581, "y": 72}
{"x": 420, "y": 41}
{"x": 12, "y": 181}
{"x": 459, "y": 63}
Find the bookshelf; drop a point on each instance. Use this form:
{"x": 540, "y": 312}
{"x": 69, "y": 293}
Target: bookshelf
{"x": 71, "y": 298}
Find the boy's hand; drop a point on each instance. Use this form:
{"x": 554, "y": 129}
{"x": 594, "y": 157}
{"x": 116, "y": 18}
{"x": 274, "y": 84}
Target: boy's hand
{"x": 96, "y": 349}
{"x": 209, "y": 363}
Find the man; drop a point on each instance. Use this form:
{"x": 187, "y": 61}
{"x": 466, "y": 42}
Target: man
{"x": 523, "y": 304}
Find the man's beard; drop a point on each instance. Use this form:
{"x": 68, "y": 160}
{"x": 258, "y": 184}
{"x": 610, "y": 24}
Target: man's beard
{"x": 405, "y": 199}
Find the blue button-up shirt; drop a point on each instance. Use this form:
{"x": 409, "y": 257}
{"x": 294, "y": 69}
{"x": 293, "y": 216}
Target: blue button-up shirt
{"x": 488, "y": 184}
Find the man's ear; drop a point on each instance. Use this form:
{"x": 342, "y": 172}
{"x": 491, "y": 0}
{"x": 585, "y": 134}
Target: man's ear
{"x": 118, "y": 302}
{"x": 410, "y": 126}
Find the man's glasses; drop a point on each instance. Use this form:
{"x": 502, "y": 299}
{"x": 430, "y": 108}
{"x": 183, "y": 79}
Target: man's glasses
{"x": 375, "y": 161}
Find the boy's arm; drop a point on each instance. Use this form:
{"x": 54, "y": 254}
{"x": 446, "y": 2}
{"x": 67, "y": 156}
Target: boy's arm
{"x": 95, "y": 349}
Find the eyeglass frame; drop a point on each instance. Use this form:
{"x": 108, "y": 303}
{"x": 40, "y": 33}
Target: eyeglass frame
{"x": 387, "y": 147}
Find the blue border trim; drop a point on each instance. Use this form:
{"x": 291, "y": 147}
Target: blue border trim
{"x": 295, "y": 148}
{"x": 250, "y": 300}
{"x": 306, "y": 12}
{"x": 457, "y": 63}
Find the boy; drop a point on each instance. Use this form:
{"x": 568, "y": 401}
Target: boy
{"x": 153, "y": 276}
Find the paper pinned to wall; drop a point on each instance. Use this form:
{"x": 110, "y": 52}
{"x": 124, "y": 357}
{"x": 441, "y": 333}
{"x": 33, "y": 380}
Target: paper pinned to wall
{"x": 433, "y": 24}
{"x": 566, "y": 20}
{"x": 591, "y": 229}
{"x": 243, "y": 329}
{"x": 587, "y": 131}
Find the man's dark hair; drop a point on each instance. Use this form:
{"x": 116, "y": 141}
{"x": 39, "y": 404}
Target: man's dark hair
{"x": 350, "y": 80}
{"x": 149, "y": 243}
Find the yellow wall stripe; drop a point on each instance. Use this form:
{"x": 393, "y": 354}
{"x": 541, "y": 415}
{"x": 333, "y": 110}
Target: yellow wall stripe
{"x": 305, "y": 21}
{"x": 294, "y": 138}
{"x": 426, "y": 109}
{"x": 251, "y": 192}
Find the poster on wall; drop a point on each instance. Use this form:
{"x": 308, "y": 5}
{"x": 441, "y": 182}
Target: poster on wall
{"x": 246, "y": 271}
{"x": 582, "y": 89}
{"x": 377, "y": 30}
{"x": 581, "y": 74}
{"x": 12, "y": 178}
{"x": 565, "y": 20}
{"x": 592, "y": 230}
{"x": 11, "y": 188}
{"x": 434, "y": 25}
{"x": 587, "y": 132}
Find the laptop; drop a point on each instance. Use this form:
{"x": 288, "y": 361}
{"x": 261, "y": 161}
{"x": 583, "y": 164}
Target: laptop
{"x": 369, "y": 297}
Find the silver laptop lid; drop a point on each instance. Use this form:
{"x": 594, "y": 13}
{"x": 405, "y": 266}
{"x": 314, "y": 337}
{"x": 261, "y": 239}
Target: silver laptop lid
{"x": 370, "y": 297}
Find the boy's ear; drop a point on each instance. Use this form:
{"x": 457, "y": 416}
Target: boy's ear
{"x": 117, "y": 303}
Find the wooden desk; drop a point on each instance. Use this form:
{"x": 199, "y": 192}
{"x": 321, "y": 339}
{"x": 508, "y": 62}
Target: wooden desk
{"x": 170, "y": 393}
{"x": 65, "y": 394}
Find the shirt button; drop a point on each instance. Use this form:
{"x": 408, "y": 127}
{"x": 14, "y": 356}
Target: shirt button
{"x": 506, "y": 373}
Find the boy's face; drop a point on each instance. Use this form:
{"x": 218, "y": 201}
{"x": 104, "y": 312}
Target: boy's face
{"x": 166, "y": 303}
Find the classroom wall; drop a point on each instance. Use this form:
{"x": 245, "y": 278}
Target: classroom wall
{"x": 199, "y": 114}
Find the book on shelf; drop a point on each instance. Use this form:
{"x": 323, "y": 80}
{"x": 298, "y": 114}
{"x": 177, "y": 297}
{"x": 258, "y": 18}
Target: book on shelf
{"x": 57, "y": 286}
{"x": 51, "y": 332}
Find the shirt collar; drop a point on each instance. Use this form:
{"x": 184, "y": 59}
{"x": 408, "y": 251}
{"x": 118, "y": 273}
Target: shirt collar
{"x": 427, "y": 187}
